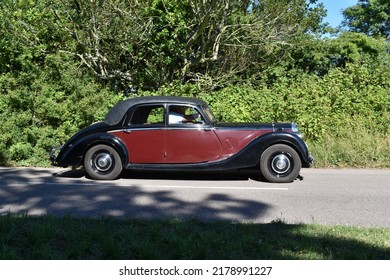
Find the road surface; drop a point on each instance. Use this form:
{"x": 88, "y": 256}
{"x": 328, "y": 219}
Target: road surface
{"x": 323, "y": 196}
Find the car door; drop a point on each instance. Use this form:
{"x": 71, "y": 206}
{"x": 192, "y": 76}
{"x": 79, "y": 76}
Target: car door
{"x": 144, "y": 134}
{"x": 191, "y": 141}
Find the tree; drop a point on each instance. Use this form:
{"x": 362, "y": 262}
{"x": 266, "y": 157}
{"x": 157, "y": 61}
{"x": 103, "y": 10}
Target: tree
{"x": 371, "y": 17}
{"x": 125, "y": 42}
{"x": 232, "y": 39}
{"x": 151, "y": 43}
{"x": 26, "y": 34}
{"x": 101, "y": 34}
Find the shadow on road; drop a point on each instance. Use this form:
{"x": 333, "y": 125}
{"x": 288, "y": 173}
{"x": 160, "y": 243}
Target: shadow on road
{"x": 240, "y": 175}
{"x": 38, "y": 192}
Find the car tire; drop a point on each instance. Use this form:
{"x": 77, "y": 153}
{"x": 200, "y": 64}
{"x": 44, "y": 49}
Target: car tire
{"x": 280, "y": 163}
{"x": 103, "y": 162}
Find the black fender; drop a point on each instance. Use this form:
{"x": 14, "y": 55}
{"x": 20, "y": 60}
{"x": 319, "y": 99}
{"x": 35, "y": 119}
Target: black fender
{"x": 250, "y": 155}
{"x": 291, "y": 139}
{"x": 72, "y": 154}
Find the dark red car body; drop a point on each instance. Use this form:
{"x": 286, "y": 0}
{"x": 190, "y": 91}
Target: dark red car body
{"x": 137, "y": 134}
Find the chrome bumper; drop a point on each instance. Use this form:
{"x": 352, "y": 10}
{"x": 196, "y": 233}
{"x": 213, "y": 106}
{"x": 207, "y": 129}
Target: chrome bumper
{"x": 311, "y": 160}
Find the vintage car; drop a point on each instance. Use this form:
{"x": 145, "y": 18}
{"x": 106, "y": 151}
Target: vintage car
{"x": 176, "y": 133}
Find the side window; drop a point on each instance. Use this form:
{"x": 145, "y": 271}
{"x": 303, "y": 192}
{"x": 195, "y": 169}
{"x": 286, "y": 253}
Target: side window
{"x": 156, "y": 116}
{"x": 184, "y": 115}
{"x": 148, "y": 115}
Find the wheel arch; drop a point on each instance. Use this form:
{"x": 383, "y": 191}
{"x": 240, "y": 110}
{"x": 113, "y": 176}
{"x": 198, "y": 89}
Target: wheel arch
{"x": 250, "y": 155}
{"x": 109, "y": 140}
{"x": 289, "y": 139}
{"x": 75, "y": 153}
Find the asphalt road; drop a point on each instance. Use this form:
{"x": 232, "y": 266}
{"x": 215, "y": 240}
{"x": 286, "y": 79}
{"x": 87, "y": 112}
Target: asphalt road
{"x": 324, "y": 196}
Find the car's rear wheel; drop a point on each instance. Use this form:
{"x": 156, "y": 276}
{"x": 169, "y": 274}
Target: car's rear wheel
{"x": 280, "y": 163}
{"x": 103, "y": 162}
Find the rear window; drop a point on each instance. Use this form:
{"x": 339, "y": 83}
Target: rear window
{"x": 147, "y": 115}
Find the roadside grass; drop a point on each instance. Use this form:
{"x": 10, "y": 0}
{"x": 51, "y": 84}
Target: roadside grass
{"x": 353, "y": 148}
{"x": 44, "y": 238}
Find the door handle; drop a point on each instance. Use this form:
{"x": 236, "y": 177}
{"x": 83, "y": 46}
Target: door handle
{"x": 127, "y": 131}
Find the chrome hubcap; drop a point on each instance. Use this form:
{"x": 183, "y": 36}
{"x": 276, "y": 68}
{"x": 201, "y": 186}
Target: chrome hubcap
{"x": 280, "y": 164}
{"x": 102, "y": 162}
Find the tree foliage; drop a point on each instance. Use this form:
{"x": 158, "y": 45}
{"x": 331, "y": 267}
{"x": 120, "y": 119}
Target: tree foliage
{"x": 150, "y": 43}
{"x": 371, "y": 17}
{"x": 232, "y": 40}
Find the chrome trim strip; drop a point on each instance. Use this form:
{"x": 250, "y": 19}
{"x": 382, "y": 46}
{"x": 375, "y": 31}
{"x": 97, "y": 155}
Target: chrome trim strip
{"x": 176, "y": 127}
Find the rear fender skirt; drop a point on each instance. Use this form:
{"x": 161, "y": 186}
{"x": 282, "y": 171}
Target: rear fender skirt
{"x": 73, "y": 154}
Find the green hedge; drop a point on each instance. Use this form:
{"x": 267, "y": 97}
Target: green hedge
{"x": 351, "y": 97}
{"x": 344, "y": 115}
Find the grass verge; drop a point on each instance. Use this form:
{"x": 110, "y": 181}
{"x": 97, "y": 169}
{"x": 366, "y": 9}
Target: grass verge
{"x": 25, "y": 237}
{"x": 354, "y": 148}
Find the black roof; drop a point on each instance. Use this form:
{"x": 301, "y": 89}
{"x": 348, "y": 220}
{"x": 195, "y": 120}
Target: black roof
{"x": 115, "y": 115}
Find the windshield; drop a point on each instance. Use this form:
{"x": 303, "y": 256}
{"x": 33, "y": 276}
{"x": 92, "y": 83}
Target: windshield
{"x": 209, "y": 113}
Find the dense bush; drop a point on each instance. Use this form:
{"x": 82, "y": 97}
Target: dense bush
{"x": 63, "y": 64}
{"x": 318, "y": 104}
{"x": 39, "y": 112}
{"x": 345, "y": 115}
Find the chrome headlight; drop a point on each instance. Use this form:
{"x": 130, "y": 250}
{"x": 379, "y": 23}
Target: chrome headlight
{"x": 295, "y": 130}
{"x": 294, "y": 127}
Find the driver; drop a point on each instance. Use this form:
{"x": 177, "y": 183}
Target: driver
{"x": 177, "y": 115}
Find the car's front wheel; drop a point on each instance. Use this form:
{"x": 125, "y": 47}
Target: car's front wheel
{"x": 280, "y": 163}
{"x": 103, "y": 162}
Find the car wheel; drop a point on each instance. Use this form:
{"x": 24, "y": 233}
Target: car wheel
{"x": 280, "y": 164}
{"x": 102, "y": 162}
